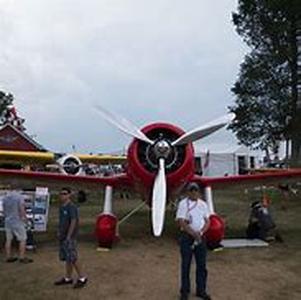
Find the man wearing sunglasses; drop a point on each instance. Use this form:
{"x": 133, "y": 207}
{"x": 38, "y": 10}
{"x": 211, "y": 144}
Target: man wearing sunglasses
{"x": 193, "y": 219}
{"x": 67, "y": 235}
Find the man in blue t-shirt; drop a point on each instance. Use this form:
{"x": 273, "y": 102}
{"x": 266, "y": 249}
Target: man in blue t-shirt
{"x": 67, "y": 235}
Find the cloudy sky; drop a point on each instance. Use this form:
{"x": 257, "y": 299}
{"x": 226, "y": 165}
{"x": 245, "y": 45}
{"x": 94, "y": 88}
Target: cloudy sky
{"x": 159, "y": 60}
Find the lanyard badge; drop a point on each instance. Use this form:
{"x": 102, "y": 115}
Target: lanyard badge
{"x": 189, "y": 209}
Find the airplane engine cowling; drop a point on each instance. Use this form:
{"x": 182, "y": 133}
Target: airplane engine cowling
{"x": 105, "y": 230}
{"x": 216, "y": 231}
{"x": 143, "y": 164}
{"x": 70, "y": 164}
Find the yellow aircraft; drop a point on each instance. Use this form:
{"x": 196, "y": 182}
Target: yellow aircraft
{"x": 73, "y": 164}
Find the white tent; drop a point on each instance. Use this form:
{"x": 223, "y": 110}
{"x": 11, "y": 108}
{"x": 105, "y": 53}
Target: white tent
{"x": 223, "y": 155}
{"x": 229, "y": 162}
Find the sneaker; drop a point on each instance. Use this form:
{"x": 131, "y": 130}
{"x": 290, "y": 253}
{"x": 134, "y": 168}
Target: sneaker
{"x": 80, "y": 283}
{"x": 25, "y": 260}
{"x": 183, "y": 297}
{"x": 63, "y": 281}
{"x": 11, "y": 259}
{"x": 203, "y": 296}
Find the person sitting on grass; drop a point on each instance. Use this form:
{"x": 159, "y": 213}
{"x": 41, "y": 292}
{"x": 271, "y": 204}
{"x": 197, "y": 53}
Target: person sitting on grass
{"x": 261, "y": 224}
{"x": 67, "y": 235}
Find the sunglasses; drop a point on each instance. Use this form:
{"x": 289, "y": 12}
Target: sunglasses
{"x": 64, "y": 193}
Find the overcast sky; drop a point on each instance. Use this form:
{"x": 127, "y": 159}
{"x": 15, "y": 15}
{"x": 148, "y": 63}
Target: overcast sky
{"x": 159, "y": 60}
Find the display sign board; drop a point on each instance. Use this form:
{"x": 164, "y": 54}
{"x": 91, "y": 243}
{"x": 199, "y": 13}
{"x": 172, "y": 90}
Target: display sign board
{"x": 37, "y": 207}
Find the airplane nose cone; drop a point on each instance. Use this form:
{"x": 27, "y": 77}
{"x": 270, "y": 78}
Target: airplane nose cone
{"x": 162, "y": 149}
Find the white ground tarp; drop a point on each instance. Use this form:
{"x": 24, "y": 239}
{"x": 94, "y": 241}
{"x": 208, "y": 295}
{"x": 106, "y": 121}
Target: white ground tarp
{"x": 242, "y": 243}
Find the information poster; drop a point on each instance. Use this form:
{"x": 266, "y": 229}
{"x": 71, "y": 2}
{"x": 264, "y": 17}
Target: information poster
{"x": 37, "y": 207}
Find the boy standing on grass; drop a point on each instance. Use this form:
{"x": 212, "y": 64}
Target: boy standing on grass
{"x": 67, "y": 235}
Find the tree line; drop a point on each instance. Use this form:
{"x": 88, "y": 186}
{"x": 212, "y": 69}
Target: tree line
{"x": 268, "y": 89}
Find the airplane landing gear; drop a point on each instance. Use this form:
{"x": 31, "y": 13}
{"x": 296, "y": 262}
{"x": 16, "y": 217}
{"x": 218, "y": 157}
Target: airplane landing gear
{"x": 106, "y": 223}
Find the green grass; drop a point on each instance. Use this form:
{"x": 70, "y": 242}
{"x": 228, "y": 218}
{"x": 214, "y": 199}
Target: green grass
{"x": 143, "y": 267}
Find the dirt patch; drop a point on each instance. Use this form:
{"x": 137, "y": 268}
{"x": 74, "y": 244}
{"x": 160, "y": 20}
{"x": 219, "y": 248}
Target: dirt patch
{"x": 149, "y": 269}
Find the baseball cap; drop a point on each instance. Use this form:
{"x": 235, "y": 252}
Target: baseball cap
{"x": 192, "y": 186}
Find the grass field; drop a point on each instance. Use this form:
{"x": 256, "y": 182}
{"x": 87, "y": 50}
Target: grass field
{"x": 143, "y": 267}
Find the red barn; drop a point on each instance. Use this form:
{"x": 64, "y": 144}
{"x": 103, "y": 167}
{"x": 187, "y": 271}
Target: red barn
{"x": 13, "y": 139}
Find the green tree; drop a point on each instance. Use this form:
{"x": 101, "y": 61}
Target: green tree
{"x": 267, "y": 88}
{"x": 5, "y": 101}
{"x": 8, "y": 112}
{"x": 261, "y": 109}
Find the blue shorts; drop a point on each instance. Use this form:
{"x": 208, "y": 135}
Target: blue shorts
{"x": 68, "y": 251}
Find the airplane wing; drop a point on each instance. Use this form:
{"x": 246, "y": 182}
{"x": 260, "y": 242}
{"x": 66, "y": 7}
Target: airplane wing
{"x": 271, "y": 178}
{"x": 25, "y": 179}
{"x": 101, "y": 159}
{"x": 29, "y": 157}
{"x": 26, "y": 157}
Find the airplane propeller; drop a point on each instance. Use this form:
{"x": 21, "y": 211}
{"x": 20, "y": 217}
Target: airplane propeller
{"x": 162, "y": 149}
{"x": 159, "y": 199}
{"x": 123, "y": 124}
{"x": 204, "y": 130}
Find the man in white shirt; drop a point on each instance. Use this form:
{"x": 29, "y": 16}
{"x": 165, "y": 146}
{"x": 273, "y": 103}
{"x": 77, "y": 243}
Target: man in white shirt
{"x": 193, "y": 219}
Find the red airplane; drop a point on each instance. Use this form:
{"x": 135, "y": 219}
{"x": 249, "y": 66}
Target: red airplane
{"x": 160, "y": 162}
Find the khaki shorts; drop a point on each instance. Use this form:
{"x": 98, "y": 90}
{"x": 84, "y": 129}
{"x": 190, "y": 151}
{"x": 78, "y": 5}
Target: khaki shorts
{"x": 18, "y": 230}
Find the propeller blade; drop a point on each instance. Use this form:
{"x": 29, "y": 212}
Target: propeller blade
{"x": 123, "y": 124}
{"x": 203, "y": 131}
{"x": 159, "y": 199}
